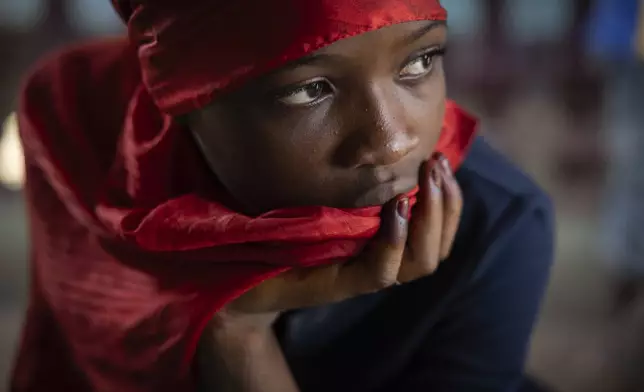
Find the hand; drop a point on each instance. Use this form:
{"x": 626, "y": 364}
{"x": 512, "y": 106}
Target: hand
{"x": 402, "y": 251}
{"x": 239, "y": 352}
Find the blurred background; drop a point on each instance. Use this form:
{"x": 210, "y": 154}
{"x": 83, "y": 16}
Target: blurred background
{"x": 559, "y": 85}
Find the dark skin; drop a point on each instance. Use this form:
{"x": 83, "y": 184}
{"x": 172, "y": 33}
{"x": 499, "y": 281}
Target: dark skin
{"x": 351, "y": 126}
{"x": 354, "y": 134}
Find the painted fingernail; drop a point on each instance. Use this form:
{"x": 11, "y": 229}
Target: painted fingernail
{"x": 446, "y": 165}
{"x": 437, "y": 156}
{"x": 403, "y": 208}
{"x": 435, "y": 181}
{"x": 396, "y": 225}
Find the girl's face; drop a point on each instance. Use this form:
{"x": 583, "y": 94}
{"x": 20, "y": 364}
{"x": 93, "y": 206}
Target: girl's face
{"x": 348, "y": 126}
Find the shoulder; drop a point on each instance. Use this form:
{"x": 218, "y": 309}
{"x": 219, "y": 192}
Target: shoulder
{"x": 492, "y": 183}
{"x": 486, "y": 172}
{"x": 479, "y": 308}
{"x": 503, "y": 207}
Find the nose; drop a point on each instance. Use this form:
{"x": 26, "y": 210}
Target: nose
{"x": 383, "y": 131}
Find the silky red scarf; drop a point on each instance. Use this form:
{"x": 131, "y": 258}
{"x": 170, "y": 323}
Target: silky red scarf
{"x": 134, "y": 243}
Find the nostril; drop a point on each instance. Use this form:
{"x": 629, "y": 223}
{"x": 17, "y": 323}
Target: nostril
{"x": 397, "y": 148}
{"x": 385, "y": 152}
{"x": 403, "y": 144}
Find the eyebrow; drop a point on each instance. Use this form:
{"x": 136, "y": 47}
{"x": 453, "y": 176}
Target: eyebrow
{"x": 310, "y": 60}
{"x": 408, "y": 39}
{"x": 421, "y": 31}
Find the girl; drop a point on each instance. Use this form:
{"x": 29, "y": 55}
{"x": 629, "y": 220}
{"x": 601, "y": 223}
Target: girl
{"x": 256, "y": 196}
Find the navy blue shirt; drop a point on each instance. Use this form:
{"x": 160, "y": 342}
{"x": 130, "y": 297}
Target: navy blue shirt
{"x": 465, "y": 328}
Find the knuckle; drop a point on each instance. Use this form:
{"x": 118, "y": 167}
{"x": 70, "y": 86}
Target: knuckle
{"x": 384, "y": 279}
{"x": 419, "y": 269}
{"x": 455, "y": 204}
{"x": 458, "y": 199}
{"x": 428, "y": 266}
{"x": 454, "y": 189}
{"x": 454, "y": 210}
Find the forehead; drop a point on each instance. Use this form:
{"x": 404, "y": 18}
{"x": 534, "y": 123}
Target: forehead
{"x": 395, "y": 36}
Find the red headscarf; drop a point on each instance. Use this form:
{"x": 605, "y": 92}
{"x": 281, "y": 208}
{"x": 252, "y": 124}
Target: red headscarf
{"x": 134, "y": 249}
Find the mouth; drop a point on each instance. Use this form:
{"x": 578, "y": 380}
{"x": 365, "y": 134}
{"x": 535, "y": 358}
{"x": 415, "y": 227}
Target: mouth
{"x": 383, "y": 192}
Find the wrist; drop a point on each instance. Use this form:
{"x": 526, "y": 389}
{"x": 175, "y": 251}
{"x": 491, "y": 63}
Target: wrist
{"x": 241, "y": 352}
{"x": 227, "y": 325}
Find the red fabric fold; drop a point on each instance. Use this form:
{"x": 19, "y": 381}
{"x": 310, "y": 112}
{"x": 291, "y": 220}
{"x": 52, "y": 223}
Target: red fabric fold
{"x": 288, "y": 30}
{"x": 134, "y": 243}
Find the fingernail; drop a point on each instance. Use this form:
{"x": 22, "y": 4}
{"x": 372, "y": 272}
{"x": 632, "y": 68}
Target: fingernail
{"x": 437, "y": 156}
{"x": 396, "y": 226}
{"x": 435, "y": 181}
{"x": 403, "y": 208}
{"x": 446, "y": 165}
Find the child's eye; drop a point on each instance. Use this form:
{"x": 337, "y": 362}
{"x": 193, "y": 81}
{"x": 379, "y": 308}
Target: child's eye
{"x": 307, "y": 94}
{"x": 421, "y": 65}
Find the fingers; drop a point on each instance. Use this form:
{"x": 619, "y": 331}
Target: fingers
{"x": 296, "y": 288}
{"x": 378, "y": 265}
{"x": 422, "y": 254}
{"x": 453, "y": 207}
{"x": 401, "y": 251}
{"x": 374, "y": 269}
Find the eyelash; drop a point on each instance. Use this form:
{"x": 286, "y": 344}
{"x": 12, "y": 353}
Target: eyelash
{"x": 322, "y": 83}
{"x": 428, "y": 55}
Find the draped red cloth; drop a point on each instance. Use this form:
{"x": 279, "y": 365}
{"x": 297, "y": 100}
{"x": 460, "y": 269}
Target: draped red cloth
{"x": 134, "y": 245}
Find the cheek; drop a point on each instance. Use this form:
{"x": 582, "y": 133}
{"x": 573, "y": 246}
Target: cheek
{"x": 222, "y": 145}
{"x": 266, "y": 160}
{"x": 300, "y": 138}
{"x": 426, "y": 106}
